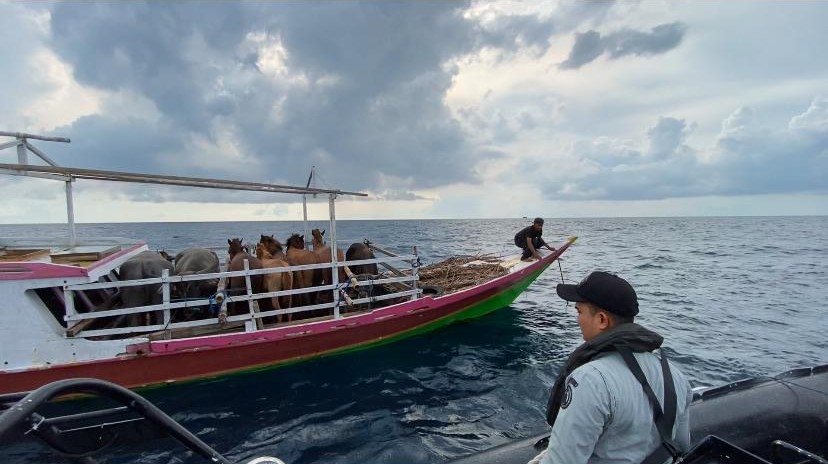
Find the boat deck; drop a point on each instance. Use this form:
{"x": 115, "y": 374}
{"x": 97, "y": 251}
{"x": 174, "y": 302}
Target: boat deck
{"x": 86, "y": 253}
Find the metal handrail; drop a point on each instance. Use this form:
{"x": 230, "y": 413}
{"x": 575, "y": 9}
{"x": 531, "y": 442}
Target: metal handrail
{"x": 24, "y": 414}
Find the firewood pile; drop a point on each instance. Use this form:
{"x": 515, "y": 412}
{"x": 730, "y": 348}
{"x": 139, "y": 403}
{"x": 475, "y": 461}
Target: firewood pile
{"x": 459, "y": 272}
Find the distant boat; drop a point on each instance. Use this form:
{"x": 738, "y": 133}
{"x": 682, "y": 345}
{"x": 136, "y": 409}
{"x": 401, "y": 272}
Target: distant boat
{"x": 53, "y": 291}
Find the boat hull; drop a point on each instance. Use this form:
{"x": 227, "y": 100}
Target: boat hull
{"x": 162, "y": 362}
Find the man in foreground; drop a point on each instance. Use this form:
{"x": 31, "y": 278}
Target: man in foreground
{"x": 600, "y": 409}
{"x": 529, "y": 239}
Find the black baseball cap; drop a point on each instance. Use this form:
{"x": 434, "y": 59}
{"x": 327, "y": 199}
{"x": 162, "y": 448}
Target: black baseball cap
{"x": 605, "y": 290}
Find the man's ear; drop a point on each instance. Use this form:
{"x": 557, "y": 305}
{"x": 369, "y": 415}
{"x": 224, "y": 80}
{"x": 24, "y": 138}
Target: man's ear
{"x": 604, "y": 320}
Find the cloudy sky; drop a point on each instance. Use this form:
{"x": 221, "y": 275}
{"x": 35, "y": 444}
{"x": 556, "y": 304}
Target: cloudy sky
{"x": 435, "y": 109}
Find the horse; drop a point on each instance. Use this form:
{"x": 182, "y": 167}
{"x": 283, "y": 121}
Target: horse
{"x": 297, "y": 256}
{"x": 237, "y": 285}
{"x": 323, "y": 255}
{"x": 276, "y": 281}
{"x": 273, "y": 246}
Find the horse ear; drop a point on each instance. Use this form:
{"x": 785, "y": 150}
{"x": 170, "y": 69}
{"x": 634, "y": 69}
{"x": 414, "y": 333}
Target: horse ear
{"x": 323, "y": 231}
{"x": 229, "y": 242}
{"x": 302, "y": 236}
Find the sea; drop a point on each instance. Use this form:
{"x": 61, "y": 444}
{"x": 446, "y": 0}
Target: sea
{"x": 734, "y": 297}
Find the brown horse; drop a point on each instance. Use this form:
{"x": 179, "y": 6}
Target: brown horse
{"x": 323, "y": 255}
{"x": 297, "y": 255}
{"x": 273, "y": 246}
{"x": 276, "y": 281}
{"x": 237, "y": 285}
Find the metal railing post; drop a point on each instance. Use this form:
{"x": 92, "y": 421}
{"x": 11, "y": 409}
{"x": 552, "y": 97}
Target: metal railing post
{"x": 165, "y": 292}
{"x": 70, "y": 213}
{"x": 415, "y": 267}
{"x": 22, "y": 155}
{"x": 69, "y": 305}
{"x": 334, "y": 267}
{"x": 252, "y": 304}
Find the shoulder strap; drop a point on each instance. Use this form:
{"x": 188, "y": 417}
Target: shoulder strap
{"x": 664, "y": 418}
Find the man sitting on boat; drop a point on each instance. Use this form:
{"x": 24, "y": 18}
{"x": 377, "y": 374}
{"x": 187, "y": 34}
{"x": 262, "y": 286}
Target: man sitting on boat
{"x": 606, "y": 405}
{"x": 529, "y": 239}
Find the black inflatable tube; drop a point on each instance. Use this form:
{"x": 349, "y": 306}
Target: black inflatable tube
{"x": 751, "y": 414}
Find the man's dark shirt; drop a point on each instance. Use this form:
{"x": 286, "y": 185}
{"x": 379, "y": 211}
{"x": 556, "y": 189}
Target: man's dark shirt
{"x": 520, "y": 237}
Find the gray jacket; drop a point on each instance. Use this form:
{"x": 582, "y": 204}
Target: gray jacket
{"x": 605, "y": 416}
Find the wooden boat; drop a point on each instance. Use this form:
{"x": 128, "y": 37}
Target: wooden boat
{"x": 51, "y": 294}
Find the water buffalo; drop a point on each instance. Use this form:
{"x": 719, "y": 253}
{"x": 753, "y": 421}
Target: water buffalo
{"x": 144, "y": 265}
{"x": 359, "y": 251}
{"x": 195, "y": 261}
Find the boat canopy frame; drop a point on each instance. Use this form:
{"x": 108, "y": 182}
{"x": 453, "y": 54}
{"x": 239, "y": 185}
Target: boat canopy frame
{"x": 69, "y": 175}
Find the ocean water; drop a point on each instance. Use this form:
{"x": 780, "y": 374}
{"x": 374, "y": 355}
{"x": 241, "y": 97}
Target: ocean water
{"x": 734, "y": 297}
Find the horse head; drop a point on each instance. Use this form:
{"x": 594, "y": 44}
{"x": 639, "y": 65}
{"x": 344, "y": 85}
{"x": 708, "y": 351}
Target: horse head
{"x": 262, "y": 252}
{"x": 235, "y": 247}
{"x": 318, "y": 239}
{"x": 165, "y": 255}
{"x": 271, "y": 244}
{"x": 296, "y": 241}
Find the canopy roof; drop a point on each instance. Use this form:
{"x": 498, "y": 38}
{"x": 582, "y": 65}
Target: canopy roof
{"x": 92, "y": 174}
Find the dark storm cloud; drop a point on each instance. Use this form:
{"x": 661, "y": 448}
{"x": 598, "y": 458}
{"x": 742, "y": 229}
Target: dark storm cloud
{"x": 588, "y": 46}
{"x": 358, "y": 90}
{"x": 370, "y": 110}
{"x": 132, "y": 145}
{"x": 150, "y": 48}
{"x": 591, "y": 44}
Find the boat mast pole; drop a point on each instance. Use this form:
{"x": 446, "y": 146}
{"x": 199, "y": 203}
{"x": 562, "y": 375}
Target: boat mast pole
{"x": 305, "y": 204}
{"x": 334, "y": 267}
{"x": 70, "y": 213}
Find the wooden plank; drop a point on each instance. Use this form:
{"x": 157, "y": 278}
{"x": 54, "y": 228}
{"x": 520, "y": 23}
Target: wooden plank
{"x": 83, "y": 253}
{"x": 7, "y": 255}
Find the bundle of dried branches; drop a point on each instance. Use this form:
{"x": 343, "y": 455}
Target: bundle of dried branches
{"x": 459, "y": 272}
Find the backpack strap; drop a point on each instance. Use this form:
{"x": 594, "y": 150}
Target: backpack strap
{"x": 664, "y": 418}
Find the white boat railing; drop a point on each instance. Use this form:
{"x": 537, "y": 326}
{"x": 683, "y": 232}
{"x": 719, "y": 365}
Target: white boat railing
{"x": 252, "y": 319}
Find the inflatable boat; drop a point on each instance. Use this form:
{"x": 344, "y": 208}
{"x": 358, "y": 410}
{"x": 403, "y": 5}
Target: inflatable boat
{"x": 780, "y": 419}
